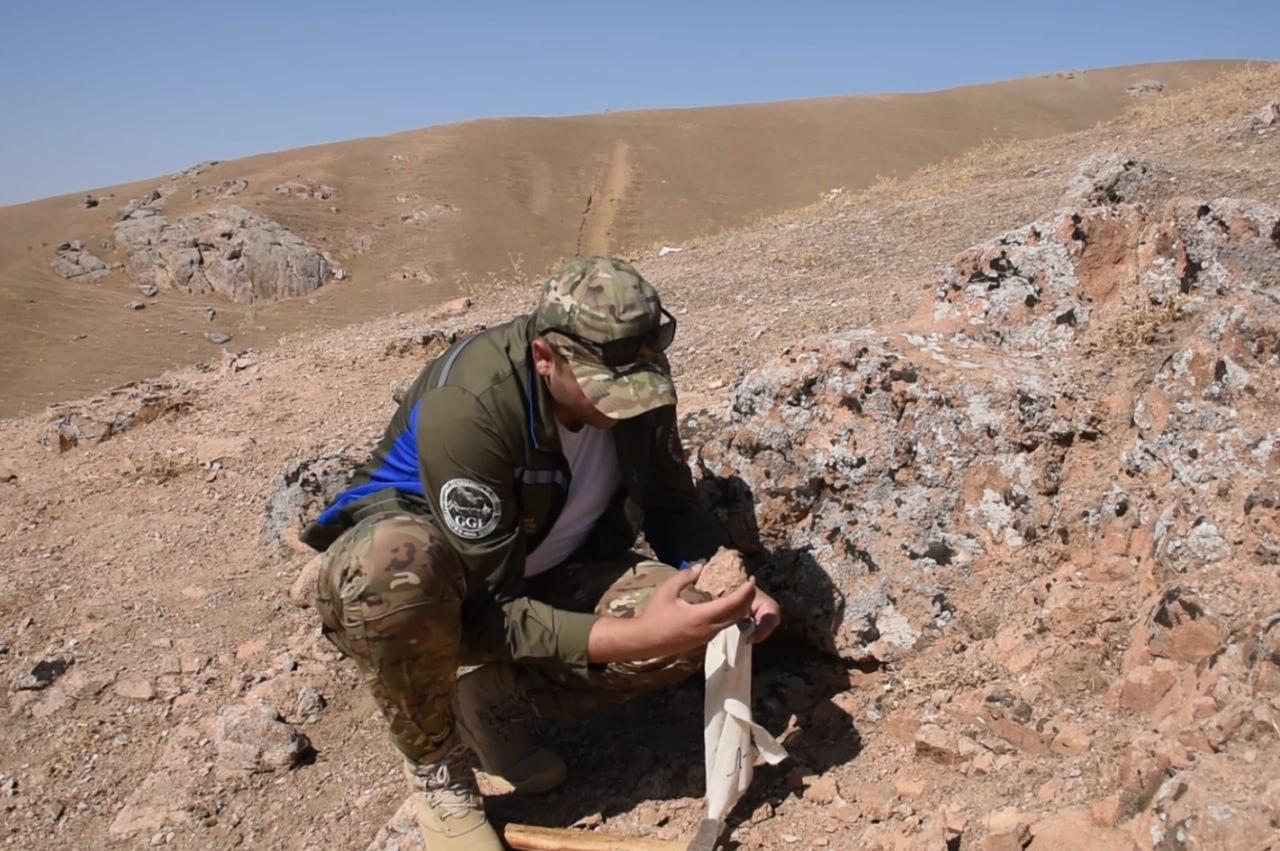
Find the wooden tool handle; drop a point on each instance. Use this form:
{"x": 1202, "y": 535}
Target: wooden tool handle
{"x": 527, "y": 837}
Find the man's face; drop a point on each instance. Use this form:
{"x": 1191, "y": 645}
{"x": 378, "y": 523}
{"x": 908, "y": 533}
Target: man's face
{"x": 573, "y": 407}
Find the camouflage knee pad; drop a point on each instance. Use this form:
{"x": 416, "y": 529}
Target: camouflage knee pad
{"x": 390, "y": 596}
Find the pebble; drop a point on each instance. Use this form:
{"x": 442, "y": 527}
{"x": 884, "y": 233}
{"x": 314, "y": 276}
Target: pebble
{"x": 218, "y": 337}
{"x": 137, "y": 305}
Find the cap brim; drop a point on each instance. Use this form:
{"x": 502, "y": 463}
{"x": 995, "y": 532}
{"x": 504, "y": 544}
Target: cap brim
{"x": 628, "y": 393}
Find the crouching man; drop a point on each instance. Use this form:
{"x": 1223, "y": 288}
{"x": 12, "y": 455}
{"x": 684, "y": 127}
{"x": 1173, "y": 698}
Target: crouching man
{"x": 479, "y": 569}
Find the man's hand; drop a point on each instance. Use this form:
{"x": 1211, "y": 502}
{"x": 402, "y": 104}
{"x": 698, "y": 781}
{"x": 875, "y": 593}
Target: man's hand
{"x": 767, "y": 615}
{"x": 669, "y": 625}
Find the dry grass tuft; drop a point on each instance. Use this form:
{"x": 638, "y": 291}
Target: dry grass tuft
{"x": 1233, "y": 94}
{"x": 1140, "y": 330}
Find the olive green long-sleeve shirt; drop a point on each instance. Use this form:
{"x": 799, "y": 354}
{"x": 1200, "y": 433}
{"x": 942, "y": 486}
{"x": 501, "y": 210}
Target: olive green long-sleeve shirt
{"x": 474, "y": 447}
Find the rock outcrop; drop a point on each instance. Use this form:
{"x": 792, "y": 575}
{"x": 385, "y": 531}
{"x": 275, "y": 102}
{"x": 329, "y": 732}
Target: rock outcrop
{"x": 223, "y": 190}
{"x": 1145, "y": 87}
{"x": 1081, "y": 431}
{"x": 72, "y": 261}
{"x": 119, "y": 409}
{"x": 229, "y": 251}
{"x": 880, "y": 469}
{"x": 307, "y": 189}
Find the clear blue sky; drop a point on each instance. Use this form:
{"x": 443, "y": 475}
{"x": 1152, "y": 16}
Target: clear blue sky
{"x": 95, "y": 93}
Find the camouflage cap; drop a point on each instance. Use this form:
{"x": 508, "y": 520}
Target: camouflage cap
{"x": 601, "y": 299}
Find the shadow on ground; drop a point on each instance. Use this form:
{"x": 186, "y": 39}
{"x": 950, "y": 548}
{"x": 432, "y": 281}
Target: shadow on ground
{"x": 652, "y": 749}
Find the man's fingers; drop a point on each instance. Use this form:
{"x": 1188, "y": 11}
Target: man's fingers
{"x": 731, "y": 608}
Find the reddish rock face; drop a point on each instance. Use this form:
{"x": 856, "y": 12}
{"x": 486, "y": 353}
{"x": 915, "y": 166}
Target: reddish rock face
{"x": 1098, "y": 388}
{"x": 1065, "y": 468}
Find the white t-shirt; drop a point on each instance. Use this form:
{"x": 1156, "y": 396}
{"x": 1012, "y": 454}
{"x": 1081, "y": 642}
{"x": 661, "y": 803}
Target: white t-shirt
{"x": 593, "y": 464}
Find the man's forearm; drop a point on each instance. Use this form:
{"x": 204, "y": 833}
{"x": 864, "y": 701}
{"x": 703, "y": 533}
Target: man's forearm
{"x": 622, "y": 640}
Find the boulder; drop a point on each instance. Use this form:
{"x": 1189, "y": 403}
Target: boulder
{"x": 1268, "y": 115}
{"x": 230, "y": 251}
{"x": 252, "y": 739}
{"x": 307, "y": 487}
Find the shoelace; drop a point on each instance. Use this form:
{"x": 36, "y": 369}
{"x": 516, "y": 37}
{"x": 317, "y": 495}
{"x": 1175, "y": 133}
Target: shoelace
{"x": 449, "y": 795}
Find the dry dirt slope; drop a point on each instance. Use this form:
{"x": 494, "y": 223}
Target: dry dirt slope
{"x": 491, "y": 197}
{"x": 139, "y": 563}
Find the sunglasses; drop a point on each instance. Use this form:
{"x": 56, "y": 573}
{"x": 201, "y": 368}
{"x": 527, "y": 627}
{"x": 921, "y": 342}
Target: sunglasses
{"x": 625, "y": 350}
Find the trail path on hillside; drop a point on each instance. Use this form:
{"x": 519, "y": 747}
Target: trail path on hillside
{"x": 597, "y": 234}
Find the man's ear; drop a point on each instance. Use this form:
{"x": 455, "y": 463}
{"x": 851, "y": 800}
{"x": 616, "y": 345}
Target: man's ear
{"x": 544, "y": 357}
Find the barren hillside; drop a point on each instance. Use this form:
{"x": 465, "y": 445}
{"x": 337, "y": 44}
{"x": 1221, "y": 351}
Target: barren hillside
{"x": 1002, "y": 435}
{"x": 402, "y": 221}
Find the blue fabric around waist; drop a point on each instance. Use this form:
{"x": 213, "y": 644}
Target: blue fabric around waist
{"x": 399, "y": 470}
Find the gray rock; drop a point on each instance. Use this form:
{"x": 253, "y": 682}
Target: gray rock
{"x": 252, "y": 739}
{"x": 221, "y": 191}
{"x": 218, "y": 337}
{"x": 149, "y": 290}
{"x": 427, "y": 215}
{"x": 310, "y": 702}
{"x": 72, "y": 261}
{"x": 89, "y": 202}
{"x": 136, "y": 305}
{"x": 1268, "y": 115}
{"x": 1145, "y": 87}
{"x": 1114, "y": 179}
{"x": 229, "y": 251}
{"x": 307, "y": 487}
{"x": 308, "y": 189}
{"x": 42, "y": 675}
{"x": 140, "y": 208}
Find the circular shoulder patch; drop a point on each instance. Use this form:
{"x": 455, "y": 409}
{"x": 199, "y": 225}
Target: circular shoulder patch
{"x": 471, "y": 510}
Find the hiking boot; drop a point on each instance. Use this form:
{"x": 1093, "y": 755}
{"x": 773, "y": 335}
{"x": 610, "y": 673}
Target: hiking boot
{"x": 494, "y": 719}
{"x": 448, "y": 807}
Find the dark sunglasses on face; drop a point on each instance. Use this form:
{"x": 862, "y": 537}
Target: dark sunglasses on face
{"x": 625, "y": 350}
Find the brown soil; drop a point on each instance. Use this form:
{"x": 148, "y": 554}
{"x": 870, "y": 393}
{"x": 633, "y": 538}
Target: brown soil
{"x": 522, "y": 193}
{"x": 140, "y": 560}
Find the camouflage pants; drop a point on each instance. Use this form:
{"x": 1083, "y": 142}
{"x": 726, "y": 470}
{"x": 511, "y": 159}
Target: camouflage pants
{"x": 390, "y": 595}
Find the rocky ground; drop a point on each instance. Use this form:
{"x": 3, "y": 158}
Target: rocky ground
{"x": 1024, "y": 525}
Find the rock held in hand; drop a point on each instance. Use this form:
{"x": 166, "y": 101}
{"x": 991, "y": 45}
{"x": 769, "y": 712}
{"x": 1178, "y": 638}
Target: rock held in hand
{"x": 722, "y": 573}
